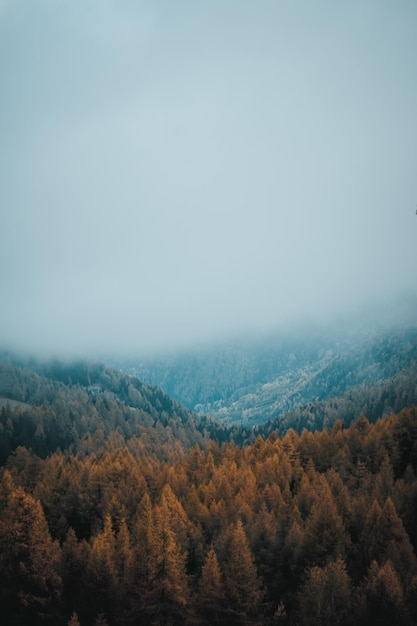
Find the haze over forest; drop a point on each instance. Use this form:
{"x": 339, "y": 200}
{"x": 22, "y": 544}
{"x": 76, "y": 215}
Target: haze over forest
{"x": 173, "y": 173}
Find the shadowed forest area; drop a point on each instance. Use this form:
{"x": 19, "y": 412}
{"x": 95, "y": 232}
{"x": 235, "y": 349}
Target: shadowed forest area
{"x": 119, "y": 506}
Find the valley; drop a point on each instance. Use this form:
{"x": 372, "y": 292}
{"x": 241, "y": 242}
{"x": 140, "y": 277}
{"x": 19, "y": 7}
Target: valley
{"x": 291, "y": 502}
{"x": 250, "y": 382}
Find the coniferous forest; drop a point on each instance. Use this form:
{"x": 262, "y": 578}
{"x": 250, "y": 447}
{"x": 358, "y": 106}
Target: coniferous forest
{"x": 208, "y": 314}
{"x": 119, "y": 506}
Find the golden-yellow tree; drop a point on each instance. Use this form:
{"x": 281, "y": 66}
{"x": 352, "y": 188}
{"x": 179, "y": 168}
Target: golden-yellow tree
{"x": 243, "y": 585}
{"x": 29, "y": 558}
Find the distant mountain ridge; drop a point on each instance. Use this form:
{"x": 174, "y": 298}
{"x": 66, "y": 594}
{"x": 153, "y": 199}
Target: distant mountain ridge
{"x": 54, "y": 405}
{"x": 240, "y": 391}
{"x": 250, "y": 383}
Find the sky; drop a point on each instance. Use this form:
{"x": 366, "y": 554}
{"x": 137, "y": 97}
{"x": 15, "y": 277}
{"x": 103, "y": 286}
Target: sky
{"x": 173, "y": 172}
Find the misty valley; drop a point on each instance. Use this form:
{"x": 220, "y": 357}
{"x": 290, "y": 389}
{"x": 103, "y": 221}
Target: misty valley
{"x": 208, "y": 316}
{"x": 281, "y": 377}
{"x": 285, "y": 492}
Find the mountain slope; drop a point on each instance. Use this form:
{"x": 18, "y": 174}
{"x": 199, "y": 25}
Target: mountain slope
{"x": 251, "y": 382}
{"x": 50, "y": 406}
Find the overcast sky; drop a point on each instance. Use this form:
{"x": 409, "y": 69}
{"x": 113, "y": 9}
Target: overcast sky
{"x": 174, "y": 171}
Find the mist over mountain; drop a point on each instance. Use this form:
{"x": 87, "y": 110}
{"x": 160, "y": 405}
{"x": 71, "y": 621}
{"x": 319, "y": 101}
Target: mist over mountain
{"x": 250, "y": 381}
{"x": 208, "y": 318}
{"x": 175, "y": 173}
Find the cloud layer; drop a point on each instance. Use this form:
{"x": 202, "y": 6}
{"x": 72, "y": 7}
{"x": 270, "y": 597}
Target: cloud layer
{"x": 174, "y": 171}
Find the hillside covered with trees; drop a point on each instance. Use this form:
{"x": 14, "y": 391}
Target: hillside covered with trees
{"x": 73, "y": 406}
{"x": 251, "y": 381}
{"x": 144, "y": 513}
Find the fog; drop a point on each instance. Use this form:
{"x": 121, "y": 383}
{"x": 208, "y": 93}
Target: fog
{"x": 175, "y": 172}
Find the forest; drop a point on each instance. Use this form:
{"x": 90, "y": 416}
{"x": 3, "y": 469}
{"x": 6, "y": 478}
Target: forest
{"x": 250, "y": 381}
{"x": 120, "y": 506}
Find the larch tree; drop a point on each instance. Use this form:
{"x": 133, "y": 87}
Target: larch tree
{"x": 167, "y": 593}
{"x": 174, "y": 512}
{"x": 124, "y": 563}
{"x": 292, "y": 545}
{"x": 382, "y": 596}
{"x": 325, "y": 597}
{"x": 241, "y": 578}
{"x": 7, "y": 487}
{"x": 102, "y": 575}
{"x": 211, "y": 597}
{"x": 384, "y": 482}
{"x": 384, "y": 537}
{"x": 29, "y": 558}
{"x": 325, "y": 537}
{"x": 143, "y": 533}
{"x": 73, "y": 563}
